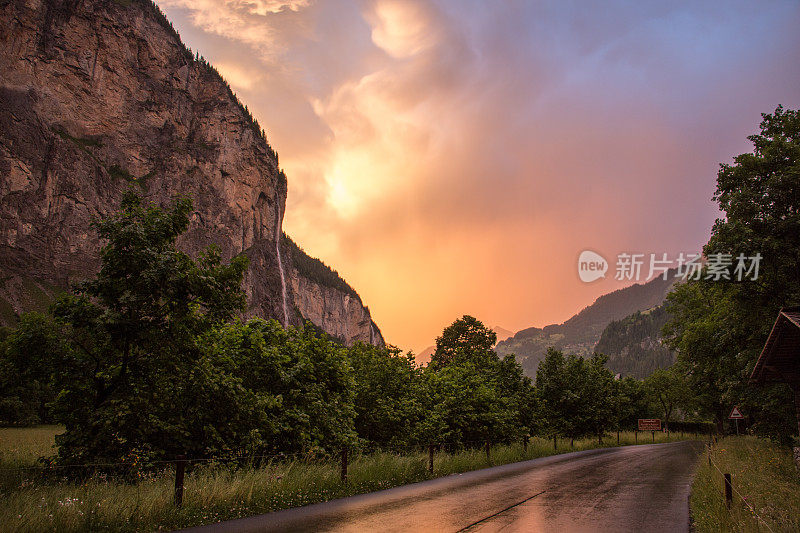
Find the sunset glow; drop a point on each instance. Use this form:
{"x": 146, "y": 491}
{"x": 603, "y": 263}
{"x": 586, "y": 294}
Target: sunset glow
{"x": 451, "y": 158}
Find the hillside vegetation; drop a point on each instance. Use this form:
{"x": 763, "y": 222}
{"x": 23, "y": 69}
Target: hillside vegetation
{"x": 581, "y": 333}
{"x": 634, "y": 346}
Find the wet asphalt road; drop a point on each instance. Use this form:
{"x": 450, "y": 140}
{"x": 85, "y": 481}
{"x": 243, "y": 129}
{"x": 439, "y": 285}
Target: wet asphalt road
{"x": 634, "y": 488}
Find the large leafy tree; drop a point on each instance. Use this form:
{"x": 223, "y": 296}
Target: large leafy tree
{"x": 719, "y": 327}
{"x": 575, "y": 395}
{"x": 135, "y": 367}
{"x": 466, "y": 339}
{"x": 668, "y": 390}
{"x": 468, "y": 393}
{"x": 29, "y": 370}
{"x": 387, "y": 400}
{"x": 462, "y": 405}
{"x": 629, "y": 402}
{"x": 760, "y": 196}
{"x": 301, "y": 382}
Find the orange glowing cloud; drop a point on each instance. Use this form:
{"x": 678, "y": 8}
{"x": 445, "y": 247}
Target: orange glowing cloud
{"x": 454, "y": 157}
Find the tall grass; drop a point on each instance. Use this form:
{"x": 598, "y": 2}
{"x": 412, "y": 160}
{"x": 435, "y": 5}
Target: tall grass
{"x": 766, "y": 486}
{"x": 23, "y": 446}
{"x": 215, "y": 492}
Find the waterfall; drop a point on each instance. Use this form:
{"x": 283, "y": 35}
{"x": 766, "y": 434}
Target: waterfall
{"x": 280, "y": 261}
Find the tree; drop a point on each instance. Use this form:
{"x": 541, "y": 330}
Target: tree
{"x": 386, "y": 400}
{"x": 136, "y": 366}
{"x": 667, "y": 388}
{"x": 463, "y": 405}
{"x": 301, "y": 382}
{"x": 760, "y": 196}
{"x": 575, "y": 395}
{"x": 629, "y": 402}
{"x": 30, "y": 360}
{"x": 468, "y": 393}
{"x": 719, "y": 327}
{"x": 708, "y": 343}
{"x": 465, "y": 339}
{"x": 597, "y": 394}
{"x": 554, "y": 394}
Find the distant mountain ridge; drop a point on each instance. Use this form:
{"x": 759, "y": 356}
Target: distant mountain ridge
{"x": 502, "y": 333}
{"x": 581, "y": 333}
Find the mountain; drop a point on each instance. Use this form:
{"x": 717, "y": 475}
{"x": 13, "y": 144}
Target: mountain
{"x": 580, "y": 333}
{"x": 98, "y": 97}
{"x": 502, "y": 333}
{"x": 634, "y": 344}
{"x": 424, "y": 356}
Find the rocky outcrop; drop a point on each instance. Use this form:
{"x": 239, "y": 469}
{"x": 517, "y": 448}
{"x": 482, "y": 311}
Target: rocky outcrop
{"x": 338, "y": 313}
{"x": 97, "y": 97}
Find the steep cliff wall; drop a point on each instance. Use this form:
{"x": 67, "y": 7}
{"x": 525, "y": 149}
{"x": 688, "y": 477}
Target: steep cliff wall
{"x": 100, "y": 96}
{"x": 326, "y": 299}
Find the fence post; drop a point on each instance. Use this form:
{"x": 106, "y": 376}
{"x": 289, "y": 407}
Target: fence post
{"x": 488, "y": 458}
{"x": 636, "y": 436}
{"x": 618, "y": 437}
{"x": 525, "y": 444}
{"x": 728, "y": 490}
{"x": 180, "y": 469}
{"x": 430, "y": 458}
{"x": 344, "y": 464}
{"x": 555, "y": 442}
{"x": 654, "y": 435}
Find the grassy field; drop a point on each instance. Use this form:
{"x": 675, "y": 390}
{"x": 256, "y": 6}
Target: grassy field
{"x": 22, "y": 446}
{"x": 214, "y": 493}
{"x": 766, "y": 486}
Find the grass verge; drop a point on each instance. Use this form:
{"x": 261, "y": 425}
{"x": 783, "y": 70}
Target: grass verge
{"x": 214, "y": 492}
{"x": 766, "y": 485}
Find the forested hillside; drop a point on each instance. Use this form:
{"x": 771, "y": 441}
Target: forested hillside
{"x": 634, "y": 346}
{"x": 580, "y": 333}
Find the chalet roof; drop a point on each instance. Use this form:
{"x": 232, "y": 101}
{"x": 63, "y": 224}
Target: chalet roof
{"x": 779, "y": 361}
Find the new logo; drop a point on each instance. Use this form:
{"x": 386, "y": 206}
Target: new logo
{"x": 591, "y": 266}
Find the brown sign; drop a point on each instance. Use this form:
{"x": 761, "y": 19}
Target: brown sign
{"x": 649, "y": 424}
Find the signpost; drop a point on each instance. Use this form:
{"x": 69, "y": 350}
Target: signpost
{"x": 736, "y": 415}
{"x": 650, "y": 424}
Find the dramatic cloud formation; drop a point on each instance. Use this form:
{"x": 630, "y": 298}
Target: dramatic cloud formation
{"x": 456, "y": 157}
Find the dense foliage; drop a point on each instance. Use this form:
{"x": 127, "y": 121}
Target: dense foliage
{"x": 147, "y": 361}
{"x": 719, "y": 327}
{"x": 579, "y": 397}
{"x": 133, "y": 365}
{"x": 27, "y": 372}
{"x": 634, "y": 345}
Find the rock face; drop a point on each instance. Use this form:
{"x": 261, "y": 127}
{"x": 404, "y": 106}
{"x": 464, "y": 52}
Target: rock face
{"x": 100, "y": 96}
{"x": 338, "y": 313}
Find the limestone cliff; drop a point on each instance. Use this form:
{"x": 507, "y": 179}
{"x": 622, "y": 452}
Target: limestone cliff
{"x": 100, "y": 96}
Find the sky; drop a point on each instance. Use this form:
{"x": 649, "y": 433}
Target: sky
{"x": 456, "y": 157}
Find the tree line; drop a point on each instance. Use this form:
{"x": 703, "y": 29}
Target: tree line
{"x": 147, "y": 361}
